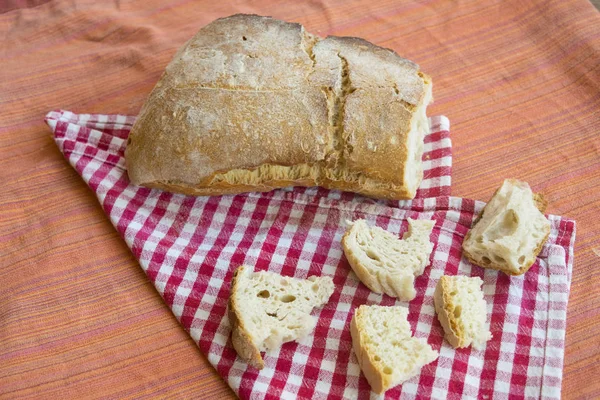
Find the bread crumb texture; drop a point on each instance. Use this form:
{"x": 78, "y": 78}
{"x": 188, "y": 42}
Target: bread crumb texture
{"x": 462, "y": 311}
{"x": 510, "y": 232}
{"x": 271, "y": 309}
{"x": 387, "y": 352}
{"x": 385, "y": 263}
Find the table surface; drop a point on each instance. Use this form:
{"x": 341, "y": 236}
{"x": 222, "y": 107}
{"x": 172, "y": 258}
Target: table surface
{"x": 520, "y": 82}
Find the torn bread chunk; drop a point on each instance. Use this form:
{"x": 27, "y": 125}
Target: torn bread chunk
{"x": 462, "y": 311}
{"x": 267, "y": 310}
{"x": 385, "y": 263}
{"x": 510, "y": 231}
{"x": 387, "y": 352}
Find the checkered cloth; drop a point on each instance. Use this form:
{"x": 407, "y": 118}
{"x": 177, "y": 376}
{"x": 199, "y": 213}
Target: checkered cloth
{"x": 190, "y": 246}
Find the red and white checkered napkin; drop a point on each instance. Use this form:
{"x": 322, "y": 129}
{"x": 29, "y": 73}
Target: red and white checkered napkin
{"x": 189, "y": 247}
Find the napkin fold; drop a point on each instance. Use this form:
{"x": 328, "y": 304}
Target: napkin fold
{"x": 190, "y": 246}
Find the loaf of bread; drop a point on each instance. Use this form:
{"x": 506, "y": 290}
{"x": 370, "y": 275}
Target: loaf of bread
{"x": 510, "y": 231}
{"x": 267, "y": 310}
{"x": 461, "y": 309}
{"x": 252, "y": 103}
{"x": 385, "y": 263}
{"x": 387, "y": 352}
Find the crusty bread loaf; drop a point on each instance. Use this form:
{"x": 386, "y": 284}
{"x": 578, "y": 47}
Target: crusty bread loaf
{"x": 387, "y": 352}
{"x": 267, "y": 310}
{"x": 510, "y": 231}
{"x": 461, "y": 309}
{"x": 383, "y": 262}
{"x": 252, "y": 103}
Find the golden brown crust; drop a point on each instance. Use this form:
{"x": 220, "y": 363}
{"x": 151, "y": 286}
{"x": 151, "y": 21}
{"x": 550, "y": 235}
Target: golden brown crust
{"x": 540, "y": 202}
{"x": 240, "y": 337}
{"x": 379, "y": 382}
{"x": 231, "y": 100}
{"x": 222, "y": 188}
{"x": 442, "y": 301}
{"x": 526, "y": 265}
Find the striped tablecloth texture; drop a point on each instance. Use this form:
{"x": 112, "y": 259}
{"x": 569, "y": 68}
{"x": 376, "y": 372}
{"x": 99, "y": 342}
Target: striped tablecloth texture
{"x": 520, "y": 82}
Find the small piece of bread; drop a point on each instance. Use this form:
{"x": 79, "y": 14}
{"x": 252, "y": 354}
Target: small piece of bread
{"x": 461, "y": 309}
{"x": 267, "y": 310}
{"x": 384, "y": 263}
{"x": 510, "y": 231}
{"x": 387, "y": 353}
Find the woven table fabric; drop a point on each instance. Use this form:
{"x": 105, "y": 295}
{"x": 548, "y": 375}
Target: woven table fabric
{"x": 520, "y": 82}
{"x": 189, "y": 247}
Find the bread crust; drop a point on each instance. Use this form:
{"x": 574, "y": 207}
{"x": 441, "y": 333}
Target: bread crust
{"x": 526, "y": 265}
{"x": 378, "y": 381}
{"x": 224, "y": 188}
{"x": 240, "y": 337}
{"x": 441, "y": 297}
{"x": 250, "y": 92}
{"x": 541, "y": 204}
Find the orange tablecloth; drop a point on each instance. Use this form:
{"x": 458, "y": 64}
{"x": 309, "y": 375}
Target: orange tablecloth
{"x": 520, "y": 82}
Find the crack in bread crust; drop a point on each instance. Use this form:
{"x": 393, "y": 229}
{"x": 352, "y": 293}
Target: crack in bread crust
{"x": 337, "y": 113}
{"x": 253, "y": 104}
{"x": 308, "y": 42}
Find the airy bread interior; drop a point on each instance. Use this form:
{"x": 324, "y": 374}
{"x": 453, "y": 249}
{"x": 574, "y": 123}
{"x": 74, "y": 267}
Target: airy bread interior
{"x": 510, "y": 232}
{"x": 462, "y": 311}
{"x": 385, "y": 263}
{"x": 419, "y": 127}
{"x": 387, "y": 352}
{"x": 270, "y": 309}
